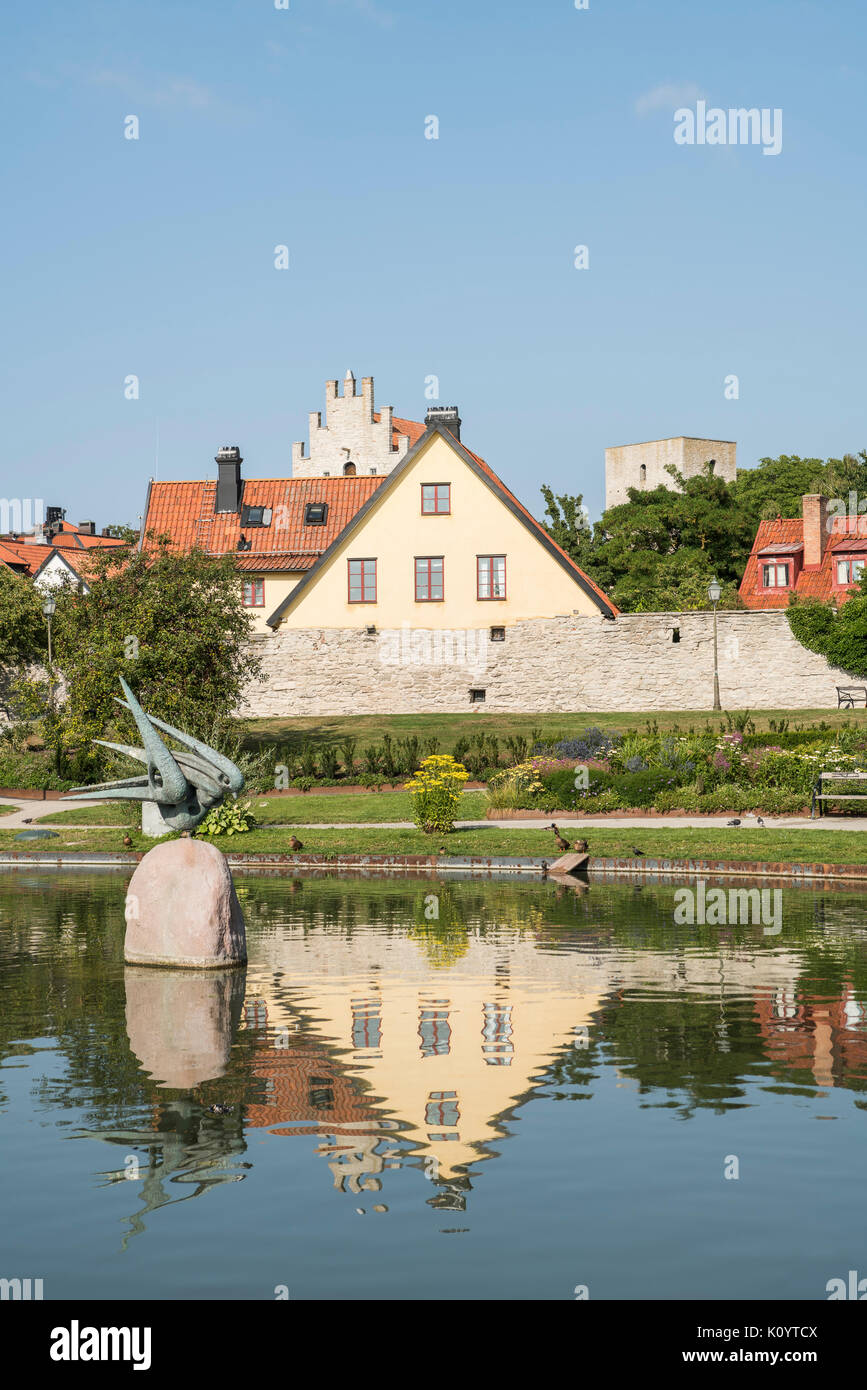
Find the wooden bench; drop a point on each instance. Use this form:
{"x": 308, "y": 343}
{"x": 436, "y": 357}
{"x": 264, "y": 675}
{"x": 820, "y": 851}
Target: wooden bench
{"x": 848, "y": 696}
{"x": 820, "y": 796}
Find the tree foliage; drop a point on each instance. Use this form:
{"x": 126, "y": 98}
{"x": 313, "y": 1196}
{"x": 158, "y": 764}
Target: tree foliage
{"x": 172, "y": 624}
{"x": 23, "y": 633}
{"x": 840, "y": 635}
{"x": 659, "y": 550}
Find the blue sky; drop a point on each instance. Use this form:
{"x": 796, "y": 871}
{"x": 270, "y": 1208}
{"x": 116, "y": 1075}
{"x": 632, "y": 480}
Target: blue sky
{"x": 411, "y": 257}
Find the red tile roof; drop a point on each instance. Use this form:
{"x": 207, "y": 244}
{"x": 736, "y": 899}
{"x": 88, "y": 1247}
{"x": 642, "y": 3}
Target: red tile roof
{"x": 185, "y": 511}
{"x": 785, "y": 536}
{"x": 414, "y": 429}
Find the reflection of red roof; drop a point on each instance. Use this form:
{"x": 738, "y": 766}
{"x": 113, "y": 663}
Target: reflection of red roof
{"x": 785, "y": 536}
{"x": 185, "y": 511}
{"x": 304, "y": 1083}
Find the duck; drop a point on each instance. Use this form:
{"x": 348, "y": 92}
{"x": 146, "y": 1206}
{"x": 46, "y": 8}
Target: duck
{"x": 295, "y": 843}
{"x": 561, "y": 843}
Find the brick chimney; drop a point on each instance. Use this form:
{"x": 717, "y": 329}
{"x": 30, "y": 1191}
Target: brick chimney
{"x": 228, "y": 461}
{"x": 815, "y": 508}
{"x": 87, "y": 528}
{"x": 446, "y": 415}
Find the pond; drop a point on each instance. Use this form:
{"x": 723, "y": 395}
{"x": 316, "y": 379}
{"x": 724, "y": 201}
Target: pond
{"x": 434, "y": 1089}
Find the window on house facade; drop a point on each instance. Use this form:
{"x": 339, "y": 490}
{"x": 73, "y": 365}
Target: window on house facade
{"x": 429, "y": 579}
{"x": 349, "y": 470}
{"x": 436, "y": 499}
{"x": 498, "y": 634}
{"x": 254, "y": 593}
{"x": 642, "y": 474}
{"x": 849, "y": 571}
{"x": 362, "y": 581}
{"x": 776, "y": 576}
{"x": 315, "y": 513}
{"x": 491, "y": 576}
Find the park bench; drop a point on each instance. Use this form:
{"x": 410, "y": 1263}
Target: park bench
{"x": 820, "y": 796}
{"x": 848, "y": 696}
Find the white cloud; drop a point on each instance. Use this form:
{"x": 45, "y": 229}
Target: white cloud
{"x": 668, "y": 97}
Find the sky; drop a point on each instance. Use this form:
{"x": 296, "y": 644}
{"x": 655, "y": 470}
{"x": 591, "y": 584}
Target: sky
{"x": 412, "y": 257}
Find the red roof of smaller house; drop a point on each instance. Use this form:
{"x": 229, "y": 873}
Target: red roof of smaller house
{"x": 185, "y": 511}
{"x": 785, "y": 536}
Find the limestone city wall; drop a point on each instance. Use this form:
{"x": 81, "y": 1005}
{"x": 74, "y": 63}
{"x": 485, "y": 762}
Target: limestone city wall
{"x": 563, "y": 663}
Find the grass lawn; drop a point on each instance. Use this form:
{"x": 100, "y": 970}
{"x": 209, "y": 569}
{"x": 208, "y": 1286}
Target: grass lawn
{"x": 369, "y": 728}
{"x": 106, "y": 813}
{"x": 811, "y": 846}
{"x": 6, "y": 809}
{"x": 353, "y": 806}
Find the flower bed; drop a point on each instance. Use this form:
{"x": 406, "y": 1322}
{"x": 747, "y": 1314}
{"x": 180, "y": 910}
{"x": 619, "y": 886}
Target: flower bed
{"x": 703, "y": 771}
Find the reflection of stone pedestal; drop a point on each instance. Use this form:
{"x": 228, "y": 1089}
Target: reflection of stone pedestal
{"x": 152, "y": 822}
{"x": 182, "y": 909}
{"x": 181, "y": 1023}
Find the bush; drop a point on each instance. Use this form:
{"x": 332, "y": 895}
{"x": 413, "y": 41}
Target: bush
{"x": 436, "y": 793}
{"x": 231, "y": 818}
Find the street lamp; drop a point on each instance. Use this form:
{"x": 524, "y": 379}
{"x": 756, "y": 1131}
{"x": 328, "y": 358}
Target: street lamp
{"x": 48, "y": 608}
{"x": 713, "y": 592}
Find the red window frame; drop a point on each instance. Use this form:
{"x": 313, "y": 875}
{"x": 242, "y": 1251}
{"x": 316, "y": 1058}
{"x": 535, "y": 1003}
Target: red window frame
{"x": 423, "y": 570}
{"x": 257, "y": 593}
{"x": 365, "y": 580}
{"x": 789, "y": 564}
{"x": 488, "y": 560}
{"x": 442, "y": 492}
{"x": 849, "y": 560}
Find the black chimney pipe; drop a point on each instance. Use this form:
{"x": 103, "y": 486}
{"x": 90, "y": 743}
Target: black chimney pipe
{"x": 229, "y": 485}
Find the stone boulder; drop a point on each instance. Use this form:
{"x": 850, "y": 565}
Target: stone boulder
{"x": 182, "y": 909}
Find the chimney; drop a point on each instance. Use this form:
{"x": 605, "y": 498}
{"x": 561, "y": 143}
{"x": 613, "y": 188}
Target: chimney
{"x": 228, "y": 461}
{"x": 87, "y": 528}
{"x": 815, "y": 509}
{"x": 54, "y": 518}
{"x": 446, "y": 415}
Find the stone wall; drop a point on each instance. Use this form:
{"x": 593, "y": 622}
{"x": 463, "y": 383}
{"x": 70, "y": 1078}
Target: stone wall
{"x": 566, "y": 663}
{"x": 350, "y": 434}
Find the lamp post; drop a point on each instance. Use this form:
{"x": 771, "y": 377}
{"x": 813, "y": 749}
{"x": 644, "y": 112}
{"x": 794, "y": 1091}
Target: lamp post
{"x": 48, "y": 608}
{"x": 713, "y": 592}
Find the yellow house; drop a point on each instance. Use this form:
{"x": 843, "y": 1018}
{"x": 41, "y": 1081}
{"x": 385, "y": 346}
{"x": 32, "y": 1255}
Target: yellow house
{"x": 440, "y": 543}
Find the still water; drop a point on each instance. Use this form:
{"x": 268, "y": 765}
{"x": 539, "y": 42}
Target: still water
{"x": 428, "y": 1089}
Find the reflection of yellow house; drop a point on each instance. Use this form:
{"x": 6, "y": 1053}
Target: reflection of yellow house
{"x": 446, "y": 1052}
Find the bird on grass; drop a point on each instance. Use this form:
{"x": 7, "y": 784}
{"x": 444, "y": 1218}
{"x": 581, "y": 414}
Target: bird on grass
{"x": 295, "y": 843}
{"x": 733, "y": 822}
{"x": 561, "y": 843}
{"x": 580, "y": 846}
{"x": 639, "y": 853}
{"x": 759, "y": 820}
{"x": 127, "y": 841}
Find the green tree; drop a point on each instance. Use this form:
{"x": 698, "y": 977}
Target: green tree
{"x": 566, "y": 521}
{"x": 662, "y": 547}
{"x": 838, "y": 634}
{"x": 127, "y": 534}
{"x": 23, "y": 633}
{"x": 171, "y": 623}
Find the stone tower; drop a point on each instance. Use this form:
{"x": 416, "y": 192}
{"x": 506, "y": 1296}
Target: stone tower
{"x": 643, "y": 465}
{"x": 354, "y": 438}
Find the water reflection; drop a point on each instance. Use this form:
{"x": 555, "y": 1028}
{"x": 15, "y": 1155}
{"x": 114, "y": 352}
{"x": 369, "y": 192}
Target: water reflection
{"x": 404, "y": 1039}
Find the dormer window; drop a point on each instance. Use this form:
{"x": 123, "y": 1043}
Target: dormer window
{"x": 848, "y": 571}
{"x": 777, "y": 574}
{"x": 315, "y": 513}
{"x": 256, "y": 516}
